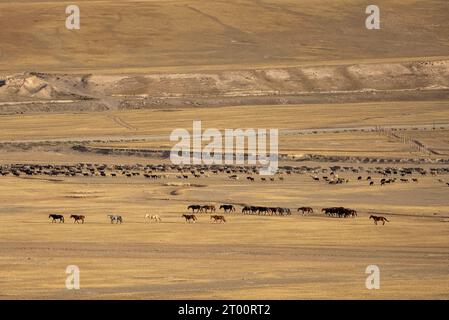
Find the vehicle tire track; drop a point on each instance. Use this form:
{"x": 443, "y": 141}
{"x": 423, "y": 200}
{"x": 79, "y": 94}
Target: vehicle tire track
{"x": 236, "y": 33}
{"x": 122, "y": 123}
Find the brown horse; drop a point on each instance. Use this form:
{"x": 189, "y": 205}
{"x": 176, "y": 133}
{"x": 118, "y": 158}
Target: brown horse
{"x": 77, "y": 218}
{"x": 379, "y": 218}
{"x": 218, "y": 218}
{"x": 189, "y": 217}
{"x": 208, "y": 207}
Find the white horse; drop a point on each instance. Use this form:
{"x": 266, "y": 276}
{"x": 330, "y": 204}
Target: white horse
{"x": 151, "y": 218}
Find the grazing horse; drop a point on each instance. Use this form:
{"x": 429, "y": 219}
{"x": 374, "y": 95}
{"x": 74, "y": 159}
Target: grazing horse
{"x": 227, "y": 207}
{"x": 305, "y": 210}
{"x": 379, "y": 218}
{"x": 218, "y": 218}
{"x": 115, "y": 218}
{"x": 189, "y": 217}
{"x": 194, "y": 207}
{"x": 55, "y": 217}
{"x": 76, "y": 218}
{"x": 150, "y": 218}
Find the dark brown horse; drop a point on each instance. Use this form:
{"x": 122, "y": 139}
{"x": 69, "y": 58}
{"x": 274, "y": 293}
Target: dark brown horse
{"x": 379, "y": 218}
{"x": 207, "y": 207}
{"x": 218, "y": 218}
{"x": 189, "y": 217}
{"x": 77, "y": 218}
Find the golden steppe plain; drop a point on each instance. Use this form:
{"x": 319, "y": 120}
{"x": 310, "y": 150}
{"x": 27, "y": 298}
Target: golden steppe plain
{"x": 138, "y": 48}
{"x": 259, "y": 257}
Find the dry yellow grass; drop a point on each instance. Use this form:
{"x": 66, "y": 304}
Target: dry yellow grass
{"x": 137, "y": 36}
{"x": 162, "y": 122}
{"x": 248, "y": 257}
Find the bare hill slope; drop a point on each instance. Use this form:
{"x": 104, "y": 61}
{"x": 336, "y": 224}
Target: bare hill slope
{"x": 311, "y": 84}
{"x": 138, "y": 36}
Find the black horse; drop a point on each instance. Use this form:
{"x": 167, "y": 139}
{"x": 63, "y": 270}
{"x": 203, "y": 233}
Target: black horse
{"x": 56, "y": 217}
{"x": 227, "y": 207}
{"x": 194, "y": 207}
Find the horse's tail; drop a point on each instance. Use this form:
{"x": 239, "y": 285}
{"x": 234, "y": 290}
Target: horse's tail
{"x": 387, "y": 220}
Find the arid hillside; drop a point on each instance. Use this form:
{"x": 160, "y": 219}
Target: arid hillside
{"x": 134, "y": 36}
{"x": 423, "y": 80}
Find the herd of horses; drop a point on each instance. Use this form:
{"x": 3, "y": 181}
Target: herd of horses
{"x": 266, "y": 210}
{"x": 210, "y": 208}
{"x": 254, "y": 210}
{"x": 159, "y": 171}
{"x": 338, "y": 212}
